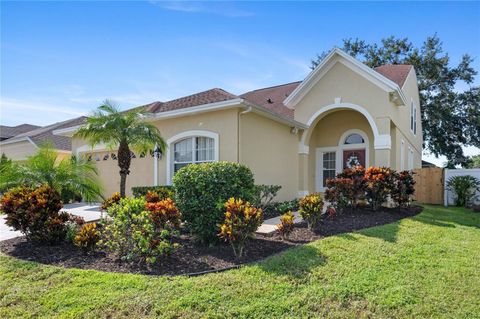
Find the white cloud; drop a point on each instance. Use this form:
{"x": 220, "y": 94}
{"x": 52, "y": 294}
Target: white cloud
{"x": 227, "y": 9}
{"x": 16, "y": 111}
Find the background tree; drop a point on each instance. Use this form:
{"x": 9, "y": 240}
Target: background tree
{"x": 450, "y": 116}
{"x": 474, "y": 162}
{"x": 70, "y": 177}
{"x": 125, "y": 130}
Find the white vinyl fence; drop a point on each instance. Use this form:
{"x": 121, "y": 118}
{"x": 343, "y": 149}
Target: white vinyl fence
{"x": 449, "y": 196}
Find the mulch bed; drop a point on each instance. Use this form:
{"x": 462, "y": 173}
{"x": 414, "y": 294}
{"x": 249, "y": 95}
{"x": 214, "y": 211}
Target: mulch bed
{"x": 192, "y": 258}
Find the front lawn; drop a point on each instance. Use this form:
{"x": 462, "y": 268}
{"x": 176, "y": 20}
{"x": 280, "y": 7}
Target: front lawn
{"x": 423, "y": 266}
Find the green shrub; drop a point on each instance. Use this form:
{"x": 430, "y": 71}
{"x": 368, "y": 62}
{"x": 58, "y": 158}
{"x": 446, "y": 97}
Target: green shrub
{"x": 286, "y": 225}
{"x": 131, "y": 232}
{"x": 404, "y": 188}
{"x": 311, "y": 207}
{"x": 464, "y": 189}
{"x": 241, "y": 221}
{"x": 264, "y": 194}
{"x": 202, "y": 189}
{"x": 36, "y": 213}
{"x": 114, "y": 199}
{"x": 164, "y": 191}
{"x": 379, "y": 182}
{"x": 289, "y": 205}
{"x": 87, "y": 237}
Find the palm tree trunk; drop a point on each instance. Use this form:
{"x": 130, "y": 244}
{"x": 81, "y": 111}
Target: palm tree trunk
{"x": 124, "y": 159}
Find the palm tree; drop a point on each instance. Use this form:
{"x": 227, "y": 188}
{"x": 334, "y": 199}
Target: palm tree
{"x": 69, "y": 176}
{"x": 125, "y": 130}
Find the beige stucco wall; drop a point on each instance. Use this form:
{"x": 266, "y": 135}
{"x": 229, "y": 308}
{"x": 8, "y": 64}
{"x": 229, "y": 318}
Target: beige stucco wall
{"x": 141, "y": 172}
{"x": 270, "y": 150}
{"x": 224, "y": 122}
{"x": 340, "y": 84}
{"x": 18, "y": 151}
{"x": 327, "y": 133}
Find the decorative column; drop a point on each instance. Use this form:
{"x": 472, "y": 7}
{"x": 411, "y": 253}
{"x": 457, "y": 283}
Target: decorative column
{"x": 383, "y": 142}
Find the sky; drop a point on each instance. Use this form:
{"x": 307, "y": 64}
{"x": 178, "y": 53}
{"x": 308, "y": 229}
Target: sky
{"x": 60, "y": 60}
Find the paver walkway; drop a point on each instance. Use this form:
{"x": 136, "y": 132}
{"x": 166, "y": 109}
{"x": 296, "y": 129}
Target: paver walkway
{"x": 89, "y": 212}
{"x": 269, "y": 226}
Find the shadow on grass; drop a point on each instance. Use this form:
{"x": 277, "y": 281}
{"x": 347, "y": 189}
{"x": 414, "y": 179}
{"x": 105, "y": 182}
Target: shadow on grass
{"x": 441, "y": 216}
{"x": 295, "y": 262}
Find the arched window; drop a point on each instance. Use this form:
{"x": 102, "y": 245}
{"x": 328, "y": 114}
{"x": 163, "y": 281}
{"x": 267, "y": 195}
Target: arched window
{"x": 192, "y": 150}
{"x": 354, "y": 139}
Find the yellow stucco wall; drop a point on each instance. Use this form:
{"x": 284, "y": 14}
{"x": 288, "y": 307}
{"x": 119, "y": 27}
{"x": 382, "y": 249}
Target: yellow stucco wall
{"x": 270, "y": 150}
{"x": 224, "y": 122}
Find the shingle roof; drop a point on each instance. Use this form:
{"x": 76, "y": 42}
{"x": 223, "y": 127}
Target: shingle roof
{"x": 272, "y": 98}
{"x": 396, "y": 72}
{"x": 11, "y": 131}
{"x": 205, "y": 97}
{"x": 45, "y": 134}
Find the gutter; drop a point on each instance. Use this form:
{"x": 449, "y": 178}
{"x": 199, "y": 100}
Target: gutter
{"x": 223, "y": 105}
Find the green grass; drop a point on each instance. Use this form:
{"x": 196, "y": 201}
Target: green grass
{"x": 425, "y": 266}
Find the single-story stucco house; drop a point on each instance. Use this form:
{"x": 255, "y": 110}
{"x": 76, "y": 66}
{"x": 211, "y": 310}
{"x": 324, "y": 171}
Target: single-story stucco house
{"x": 295, "y": 135}
{"x": 23, "y": 140}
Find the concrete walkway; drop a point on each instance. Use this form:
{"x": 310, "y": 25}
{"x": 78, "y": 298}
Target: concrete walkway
{"x": 269, "y": 226}
{"x": 89, "y": 212}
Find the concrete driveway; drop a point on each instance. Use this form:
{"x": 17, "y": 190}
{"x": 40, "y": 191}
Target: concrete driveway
{"x": 89, "y": 212}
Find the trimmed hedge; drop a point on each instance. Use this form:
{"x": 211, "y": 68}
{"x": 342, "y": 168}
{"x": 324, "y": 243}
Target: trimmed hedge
{"x": 164, "y": 191}
{"x": 201, "y": 191}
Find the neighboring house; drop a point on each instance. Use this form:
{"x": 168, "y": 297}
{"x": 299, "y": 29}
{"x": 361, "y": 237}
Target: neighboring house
{"x": 23, "y": 144}
{"x": 7, "y": 132}
{"x": 295, "y": 135}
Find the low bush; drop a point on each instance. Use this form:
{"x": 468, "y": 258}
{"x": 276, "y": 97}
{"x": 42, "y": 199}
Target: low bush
{"x": 464, "y": 189}
{"x": 264, "y": 195}
{"x": 114, "y": 199}
{"x": 202, "y": 189}
{"x": 132, "y": 233}
{"x": 241, "y": 221}
{"x": 287, "y": 206}
{"x": 164, "y": 191}
{"x": 311, "y": 207}
{"x": 286, "y": 225}
{"x": 403, "y": 189}
{"x": 337, "y": 192}
{"x": 36, "y": 213}
{"x": 164, "y": 213}
{"x": 379, "y": 183}
{"x": 375, "y": 185}
{"x": 87, "y": 237}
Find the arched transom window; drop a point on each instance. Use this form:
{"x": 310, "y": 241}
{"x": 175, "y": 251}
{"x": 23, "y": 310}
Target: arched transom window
{"x": 192, "y": 150}
{"x": 354, "y": 139}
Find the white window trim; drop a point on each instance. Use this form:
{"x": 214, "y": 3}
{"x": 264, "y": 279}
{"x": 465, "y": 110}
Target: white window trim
{"x": 319, "y": 165}
{"x": 402, "y": 156}
{"x": 413, "y": 117}
{"x": 410, "y": 158}
{"x": 183, "y": 135}
{"x": 339, "y": 155}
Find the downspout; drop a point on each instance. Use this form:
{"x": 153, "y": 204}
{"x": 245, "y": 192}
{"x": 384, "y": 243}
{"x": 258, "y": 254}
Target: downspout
{"x": 248, "y": 110}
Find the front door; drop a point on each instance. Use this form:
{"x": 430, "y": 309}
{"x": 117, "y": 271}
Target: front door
{"x": 353, "y": 158}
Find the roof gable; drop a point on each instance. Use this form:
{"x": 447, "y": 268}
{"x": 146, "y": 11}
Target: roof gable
{"x": 45, "y": 134}
{"x": 398, "y": 73}
{"x": 338, "y": 56}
